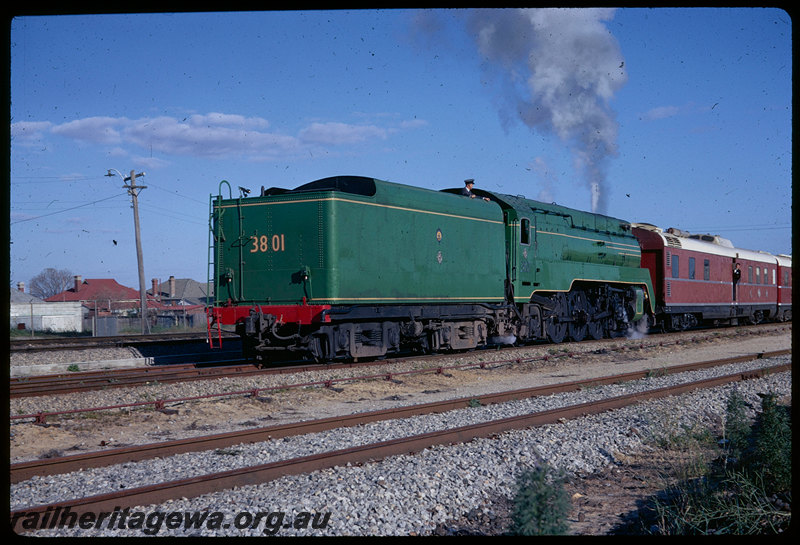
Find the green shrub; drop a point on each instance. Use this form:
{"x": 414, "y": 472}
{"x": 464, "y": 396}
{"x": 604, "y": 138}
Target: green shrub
{"x": 770, "y": 456}
{"x": 737, "y": 426}
{"x": 541, "y": 504}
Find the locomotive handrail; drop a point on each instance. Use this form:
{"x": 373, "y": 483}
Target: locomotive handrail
{"x": 219, "y": 190}
{"x": 211, "y": 272}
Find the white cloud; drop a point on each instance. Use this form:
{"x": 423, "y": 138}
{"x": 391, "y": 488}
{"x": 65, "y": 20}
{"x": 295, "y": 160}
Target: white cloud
{"x": 661, "y": 112}
{"x": 214, "y": 135}
{"x": 29, "y": 131}
{"x": 218, "y": 119}
{"x": 341, "y": 133}
{"x": 101, "y": 130}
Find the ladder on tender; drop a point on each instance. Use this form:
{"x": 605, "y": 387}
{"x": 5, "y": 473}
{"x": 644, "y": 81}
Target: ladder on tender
{"x": 213, "y": 314}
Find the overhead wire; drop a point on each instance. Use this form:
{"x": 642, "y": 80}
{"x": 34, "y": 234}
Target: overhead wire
{"x": 68, "y": 209}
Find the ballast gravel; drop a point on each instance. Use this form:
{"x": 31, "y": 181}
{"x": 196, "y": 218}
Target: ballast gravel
{"x": 408, "y": 494}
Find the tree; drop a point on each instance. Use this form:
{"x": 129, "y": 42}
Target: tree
{"x": 50, "y": 282}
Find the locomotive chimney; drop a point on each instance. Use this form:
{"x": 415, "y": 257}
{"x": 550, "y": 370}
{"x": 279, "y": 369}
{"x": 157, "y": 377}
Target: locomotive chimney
{"x": 21, "y": 286}
{"x": 172, "y": 287}
{"x": 78, "y": 282}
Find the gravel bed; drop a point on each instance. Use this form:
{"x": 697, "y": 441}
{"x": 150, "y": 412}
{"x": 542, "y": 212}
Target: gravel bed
{"x": 155, "y": 391}
{"x": 405, "y": 495}
{"x": 155, "y": 354}
{"x": 42, "y": 357}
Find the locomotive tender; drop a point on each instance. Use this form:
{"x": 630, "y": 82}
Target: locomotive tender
{"x": 350, "y": 267}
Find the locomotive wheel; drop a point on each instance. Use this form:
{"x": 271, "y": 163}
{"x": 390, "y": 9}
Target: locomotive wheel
{"x": 596, "y": 328}
{"x": 557, "y": 330}
{"x": 578, "y": 307}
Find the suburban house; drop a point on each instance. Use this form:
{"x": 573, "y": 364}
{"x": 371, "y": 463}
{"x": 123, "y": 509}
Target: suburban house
{"x": 103, "y": 296}
{"x": 106, "y": 299}
{"x": 180, "y": 291}
{"x": 34, "y": 314}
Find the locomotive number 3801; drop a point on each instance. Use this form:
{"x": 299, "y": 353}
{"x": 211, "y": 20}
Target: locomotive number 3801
{"x": 265, "y": 243}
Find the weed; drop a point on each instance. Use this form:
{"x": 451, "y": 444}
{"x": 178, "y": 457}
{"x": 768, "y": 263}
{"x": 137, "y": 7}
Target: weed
{"x": 746, "y": 490}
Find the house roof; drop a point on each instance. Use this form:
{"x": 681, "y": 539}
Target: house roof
{"x": 21, "y": 297}
{"x": 186, "y": 289}
{"x": 94, "y": 289}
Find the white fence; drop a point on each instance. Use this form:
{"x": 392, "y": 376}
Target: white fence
{"x": 66, "y": 316}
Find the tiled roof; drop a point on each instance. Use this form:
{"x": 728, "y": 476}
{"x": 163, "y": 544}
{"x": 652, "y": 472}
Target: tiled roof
{"x": 94, "y": 289}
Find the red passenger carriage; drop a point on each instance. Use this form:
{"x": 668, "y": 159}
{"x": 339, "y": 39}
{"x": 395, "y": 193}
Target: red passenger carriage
{"x": 694, "y": 279}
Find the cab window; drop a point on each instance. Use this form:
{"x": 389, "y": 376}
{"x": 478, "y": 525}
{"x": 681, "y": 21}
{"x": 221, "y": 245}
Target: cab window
{"x": 525, "y": 231}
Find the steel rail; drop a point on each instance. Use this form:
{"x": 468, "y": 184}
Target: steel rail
{"x": 195, "y": 486}
{"x": 41, "y": 385}
{"x": 159, "y": 404}
{"x": 21, "y": 471}
{"x": 63, "y": 383}
{"x": 24, "y": 344}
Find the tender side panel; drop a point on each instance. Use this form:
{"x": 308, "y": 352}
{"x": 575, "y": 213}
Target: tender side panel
{"x": 400, "y": 246}
{"x": 413, "y": 246}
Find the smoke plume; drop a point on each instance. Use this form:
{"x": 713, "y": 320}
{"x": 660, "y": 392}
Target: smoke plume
{"x": 559, "y": 69}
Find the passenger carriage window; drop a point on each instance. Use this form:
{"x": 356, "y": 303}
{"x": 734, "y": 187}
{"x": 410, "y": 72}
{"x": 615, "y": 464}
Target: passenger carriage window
{"x": 706, "y": 270}
{"x": 750, "y": 274}
{"x": 691, "y": 268}
{"x": 525, "y": 231}
{"x": 675, "y": 267}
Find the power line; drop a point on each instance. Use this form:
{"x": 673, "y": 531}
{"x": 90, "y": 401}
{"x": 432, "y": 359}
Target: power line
{"x": 50, "y": 179}
{"x": 67, "y": 209}
{"x": 176, "y": 194}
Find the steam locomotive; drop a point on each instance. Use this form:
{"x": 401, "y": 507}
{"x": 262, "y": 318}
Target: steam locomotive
{"x": 353, "y": 267}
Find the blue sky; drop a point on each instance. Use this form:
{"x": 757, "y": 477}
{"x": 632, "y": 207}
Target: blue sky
{"x": 675, "y": 117}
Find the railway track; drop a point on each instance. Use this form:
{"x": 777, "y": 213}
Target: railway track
{"x": 31, "y": 344}
{"x": 61, "y": 383}
{"x": 361, "y": 454}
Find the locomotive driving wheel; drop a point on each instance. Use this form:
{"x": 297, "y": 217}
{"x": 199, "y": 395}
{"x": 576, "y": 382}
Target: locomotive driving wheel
{"x": 578, "y": 307}
{"x": 596, "y": 326}
{"x": 555, "y": 328}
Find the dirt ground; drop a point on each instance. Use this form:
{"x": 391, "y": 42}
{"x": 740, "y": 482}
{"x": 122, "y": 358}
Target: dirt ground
{"x": 614, "y": 501}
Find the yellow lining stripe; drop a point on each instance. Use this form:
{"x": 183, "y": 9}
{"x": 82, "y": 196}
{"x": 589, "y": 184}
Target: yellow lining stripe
{"x": 592, "y": 239}
{"x": 391, "y": 207}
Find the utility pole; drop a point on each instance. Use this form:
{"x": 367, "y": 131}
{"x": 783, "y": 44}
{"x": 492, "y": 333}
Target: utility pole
{"x": 133, "y": 191}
